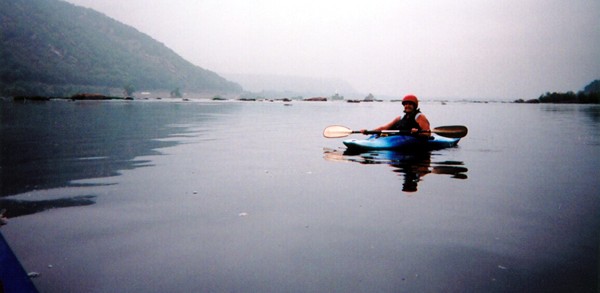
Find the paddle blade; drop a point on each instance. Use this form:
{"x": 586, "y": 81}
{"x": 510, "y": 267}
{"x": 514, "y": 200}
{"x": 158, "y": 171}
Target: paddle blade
{"x": 453, "y": 131}
{"x": 336, "y": 131}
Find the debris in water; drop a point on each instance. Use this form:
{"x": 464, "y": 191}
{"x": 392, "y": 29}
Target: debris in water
{"x": 33, "y": 275}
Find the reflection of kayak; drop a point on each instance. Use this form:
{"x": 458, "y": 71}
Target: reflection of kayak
{"x": 13, "y": 277}
{"x": 394, "y": 142}
{"x": 412, "y": 165}
{"x": 390, "y": 157}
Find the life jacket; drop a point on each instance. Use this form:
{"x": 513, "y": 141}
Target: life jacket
{"x": 408, "y": 121}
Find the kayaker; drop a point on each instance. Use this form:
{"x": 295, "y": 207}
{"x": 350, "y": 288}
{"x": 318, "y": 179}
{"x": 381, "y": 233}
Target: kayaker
{"x": 413, "y": 120}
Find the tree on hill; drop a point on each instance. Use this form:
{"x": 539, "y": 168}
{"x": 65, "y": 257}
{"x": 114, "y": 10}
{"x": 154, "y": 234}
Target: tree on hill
{"x": 176, "y": 93}
{"x": 128, "y": 90}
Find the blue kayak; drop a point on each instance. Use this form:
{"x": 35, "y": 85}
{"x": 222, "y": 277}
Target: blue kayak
{"x": 13, "y": 277}
{"x": 401, "y": 142}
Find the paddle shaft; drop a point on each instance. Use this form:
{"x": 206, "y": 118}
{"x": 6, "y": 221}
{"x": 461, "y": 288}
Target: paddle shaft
{"x": 387, "y": 131}
{"x": 454, "y": 131}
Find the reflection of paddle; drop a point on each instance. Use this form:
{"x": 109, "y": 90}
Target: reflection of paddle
{"x": 334, "y": 155}
{"x": 453, "y": 131}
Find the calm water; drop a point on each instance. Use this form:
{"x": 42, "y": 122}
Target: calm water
{"x": 249, "y": 197}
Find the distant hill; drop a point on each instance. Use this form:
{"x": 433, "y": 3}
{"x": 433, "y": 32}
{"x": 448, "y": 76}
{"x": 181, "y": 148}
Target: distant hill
{"x": 272, "y": 86}
{"x": 589, "y": 95}
{"x": 51, "y": 47}
{"x": 593, "y": 87}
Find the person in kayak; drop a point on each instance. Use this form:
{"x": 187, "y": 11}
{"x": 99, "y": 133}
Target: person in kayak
{"x": 412, "y": 120}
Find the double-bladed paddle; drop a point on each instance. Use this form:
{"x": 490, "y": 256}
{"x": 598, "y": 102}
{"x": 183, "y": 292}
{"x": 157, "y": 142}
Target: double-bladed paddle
{"x": 452, "y": 131}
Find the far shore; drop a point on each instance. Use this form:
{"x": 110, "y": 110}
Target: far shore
{"x": 217, "y": 98}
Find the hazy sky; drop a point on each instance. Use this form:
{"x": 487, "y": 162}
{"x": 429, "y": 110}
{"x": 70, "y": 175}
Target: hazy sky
{"x": 434, "y": 48}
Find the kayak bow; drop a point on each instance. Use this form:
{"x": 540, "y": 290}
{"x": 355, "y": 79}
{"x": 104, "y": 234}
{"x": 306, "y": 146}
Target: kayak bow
{"x": 400, "y": 142}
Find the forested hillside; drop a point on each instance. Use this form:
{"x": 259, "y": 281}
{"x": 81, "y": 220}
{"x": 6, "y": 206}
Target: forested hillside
{"x": 589, "y": 95}
{"x": 51, "y": 47}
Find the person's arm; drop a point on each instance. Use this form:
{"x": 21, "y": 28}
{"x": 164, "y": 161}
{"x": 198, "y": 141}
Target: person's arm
{"x": 424, "y": 124}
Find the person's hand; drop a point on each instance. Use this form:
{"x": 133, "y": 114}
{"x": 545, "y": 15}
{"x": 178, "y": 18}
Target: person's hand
{"x": 363, "y": 131}
{"x": 414, "y": 131}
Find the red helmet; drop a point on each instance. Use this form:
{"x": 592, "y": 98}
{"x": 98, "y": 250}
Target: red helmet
{"x": 411, "y": 98}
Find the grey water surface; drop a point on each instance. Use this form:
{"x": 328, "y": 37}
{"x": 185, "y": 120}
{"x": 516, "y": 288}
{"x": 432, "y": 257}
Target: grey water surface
{"x": 199, "y": 196}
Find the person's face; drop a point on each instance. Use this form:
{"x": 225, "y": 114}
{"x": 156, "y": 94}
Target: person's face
{"x": 408, "y": 107}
